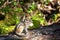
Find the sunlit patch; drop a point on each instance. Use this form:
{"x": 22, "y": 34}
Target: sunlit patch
{"x": 58, "y": 2}
{"x": 51, "y": 0}
{"x": 0, "y": 2}
{"x": 31, "y": 24}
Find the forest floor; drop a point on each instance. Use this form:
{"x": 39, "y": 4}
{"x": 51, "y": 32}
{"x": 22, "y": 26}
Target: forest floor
{"x": 37, "y": 34}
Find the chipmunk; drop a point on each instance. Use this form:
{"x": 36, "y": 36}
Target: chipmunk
{"x": 23, "y": 26}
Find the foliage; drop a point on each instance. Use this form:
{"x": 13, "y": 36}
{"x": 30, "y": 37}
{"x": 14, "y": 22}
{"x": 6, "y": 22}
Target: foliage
{"x": 31, "y": 8}
{"x": 15, "y": 10}
{"x": 4, "y": 29}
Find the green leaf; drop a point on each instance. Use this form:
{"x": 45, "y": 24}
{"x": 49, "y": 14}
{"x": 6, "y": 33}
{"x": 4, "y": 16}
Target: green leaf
{"x": 18, "y": 9}
{"x": 17, "y": 20}
{"x": 36, "y": 23}
{"x": 15, "y": 3}
{"x": 47, "y": 1}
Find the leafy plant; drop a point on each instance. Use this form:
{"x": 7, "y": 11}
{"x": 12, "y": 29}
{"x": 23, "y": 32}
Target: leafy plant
{"x": 32, "y": 7}
{"x": 38, "y": 19}
{"x": 4, "y": 29}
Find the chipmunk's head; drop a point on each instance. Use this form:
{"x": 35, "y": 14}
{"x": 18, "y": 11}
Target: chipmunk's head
{"x": 29, "y": 23}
